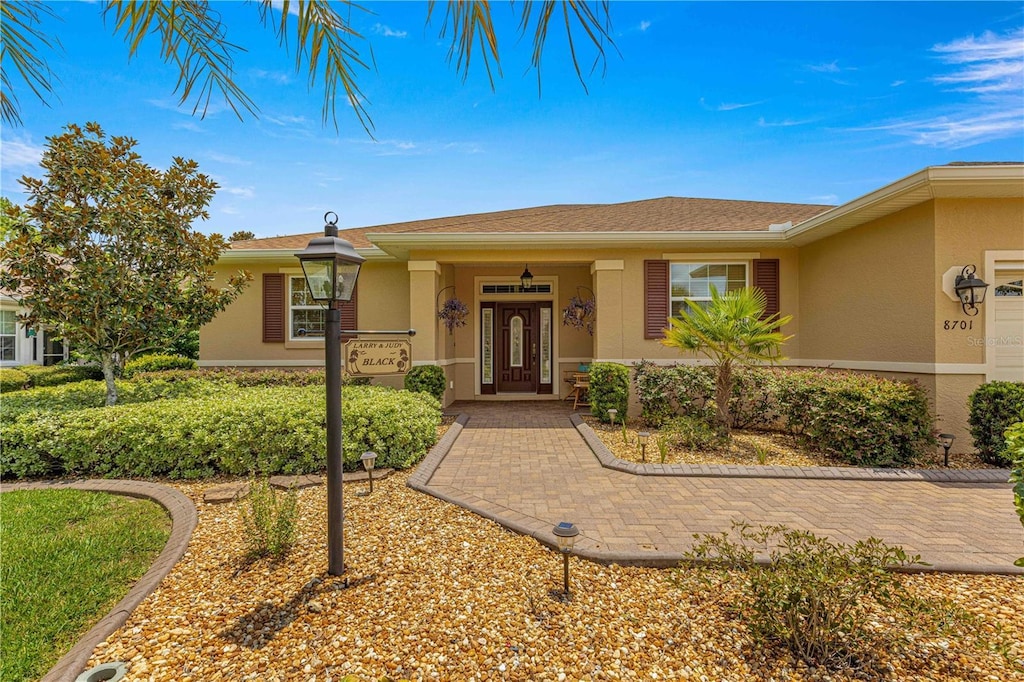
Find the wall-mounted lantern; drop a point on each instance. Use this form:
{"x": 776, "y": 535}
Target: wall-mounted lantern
{"x": 526, "y": 279}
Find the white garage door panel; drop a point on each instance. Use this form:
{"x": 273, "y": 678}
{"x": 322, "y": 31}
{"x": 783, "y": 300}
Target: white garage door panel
{"x": 1006, "y": 343}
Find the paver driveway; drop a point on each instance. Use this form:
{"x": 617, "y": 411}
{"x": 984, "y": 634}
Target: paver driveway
{"x": 525, "y": 466}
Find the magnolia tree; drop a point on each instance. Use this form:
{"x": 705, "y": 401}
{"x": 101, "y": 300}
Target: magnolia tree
{"x": 103, "y": 251}
{"x": 732, "y": 330}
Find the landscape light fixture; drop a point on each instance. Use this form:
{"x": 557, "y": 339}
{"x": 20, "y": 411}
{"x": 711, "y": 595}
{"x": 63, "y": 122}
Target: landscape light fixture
{"x": 970, "y": 290}
{"x": 526, "y": 279}
{"x": 368, "y": 459}
{"x": 565, "y": 535}
{"x": 642, "y": 438}
{"x": 946, "y": 441}
{"x": 612, "y": 412}
{"x": 331, "y": 268}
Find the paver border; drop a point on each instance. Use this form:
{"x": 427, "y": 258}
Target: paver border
{"x": 183, "y": 522}
{"x": 610, "y": 461}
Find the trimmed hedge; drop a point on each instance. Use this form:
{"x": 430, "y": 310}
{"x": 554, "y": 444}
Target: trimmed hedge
{"x": 426, "y": 379}
{"x": 157, "y": 362}
{"x": 12, "y": 380}
{"x": 238, "y": 431}
{"x": 994, "y": 407}
{"x": 609, "y": 388}
{"x": 57, "y": 375}
{"x": 863, "y": 419}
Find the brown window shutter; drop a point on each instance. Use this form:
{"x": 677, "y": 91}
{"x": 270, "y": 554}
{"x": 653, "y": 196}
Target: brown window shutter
{"x": 349, "y": 316}
{"x": 656, "y": 300}
{"x": 766, "y": 278}
{"x": 273, "y": 308}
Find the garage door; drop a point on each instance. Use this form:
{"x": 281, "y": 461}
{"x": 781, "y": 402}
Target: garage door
{"x": 1007, "y": 340}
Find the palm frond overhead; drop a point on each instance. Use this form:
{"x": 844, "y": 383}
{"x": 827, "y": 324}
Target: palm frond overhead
{"x": 22, "y": 44}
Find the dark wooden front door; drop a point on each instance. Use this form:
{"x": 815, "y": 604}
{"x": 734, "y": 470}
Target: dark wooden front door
{"x": 516, "y": 347}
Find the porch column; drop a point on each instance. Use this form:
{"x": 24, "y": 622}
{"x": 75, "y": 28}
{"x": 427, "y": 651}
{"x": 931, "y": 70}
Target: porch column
{"x": 608, "y": 335}
{"x": 423, "y": 282}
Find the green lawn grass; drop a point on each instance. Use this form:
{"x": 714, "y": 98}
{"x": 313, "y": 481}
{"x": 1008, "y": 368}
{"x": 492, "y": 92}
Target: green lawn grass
{"x": 67, "y": 557}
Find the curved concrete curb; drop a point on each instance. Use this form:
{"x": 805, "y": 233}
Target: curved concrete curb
{"x": 425, "y": 469}
{"x": 183, "y": 522}
{"x": 610, "y": 461}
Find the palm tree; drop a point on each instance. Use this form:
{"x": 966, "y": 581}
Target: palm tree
{"x": 732, "y": 330}
{"x": 321, "y": 40}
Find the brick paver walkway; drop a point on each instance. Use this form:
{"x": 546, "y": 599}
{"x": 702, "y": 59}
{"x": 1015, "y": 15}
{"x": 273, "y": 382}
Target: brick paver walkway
{"x": 525, "y": 466}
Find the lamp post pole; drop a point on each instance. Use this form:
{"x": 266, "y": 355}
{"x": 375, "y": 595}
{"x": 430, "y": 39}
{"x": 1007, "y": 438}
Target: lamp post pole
{"x": 335, "y": 505}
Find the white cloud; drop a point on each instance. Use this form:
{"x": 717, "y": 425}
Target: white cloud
{"x": 956, "y": 131}
{"x": 244, "y": 192}
{"x": 286, "y": 120}
{"x": 644, "y": 25}
{"x": 729, "y": 106}
{"x": 279, "y": 77}
{"x": 823, "y": 199}
{"x": 187, "y": 125}
{"x": 20, "y": 153}
{"x": 227, "y": 158}
{"x": 829, "y": 67}
{"x": 388, "y": 32}
{"x": 896, "y": 84}
{"x": 784, "y": 123}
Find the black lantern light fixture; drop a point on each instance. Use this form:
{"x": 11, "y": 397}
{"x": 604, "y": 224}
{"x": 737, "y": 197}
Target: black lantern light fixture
{"x": 368, "y": 459}
{"x": 946, "y": 441}
{"x": 970, "y": 290}
{"x": 331, "y": 267}
{"x": 526, "y": 279}
{"x": 565, "y": 535}
{"x": 642, "y": 438}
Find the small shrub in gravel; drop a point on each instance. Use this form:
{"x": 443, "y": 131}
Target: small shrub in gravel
{"x": 813, "y": 596}
{"x": 609, "y": 389}
{"x": 426, "y": 379}
{"x": 993, "y": 408}
{"x": 12, "y": 380}
{"x": 156, "y": 363}
{"x": 1015, "y": 447}
{"x": 269, "y": 519}
{"x": 691, "y": 433}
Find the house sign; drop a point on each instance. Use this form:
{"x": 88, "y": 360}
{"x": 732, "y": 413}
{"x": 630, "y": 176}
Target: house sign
{"x": 377, "y": 358}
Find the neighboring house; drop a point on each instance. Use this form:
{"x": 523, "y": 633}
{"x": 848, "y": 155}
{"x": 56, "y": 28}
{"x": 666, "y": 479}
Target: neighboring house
{"x": 868, "y": 284}
{"x": 20, "y": 345}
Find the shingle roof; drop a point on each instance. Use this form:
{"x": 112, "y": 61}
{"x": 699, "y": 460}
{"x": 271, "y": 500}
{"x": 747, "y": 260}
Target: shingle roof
{"x": 668, "y": 214}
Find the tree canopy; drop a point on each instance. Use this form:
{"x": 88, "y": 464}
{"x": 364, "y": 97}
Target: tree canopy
{"x": 320, "y": 39}
{"x": 103, "y": 251}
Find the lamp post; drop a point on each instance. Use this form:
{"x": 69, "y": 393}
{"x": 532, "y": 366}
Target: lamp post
{"x": 612, "y": 412}
{"x": 331, "y": 267}
{"x": 565, "y": 535}
{"x": 643, "y": 437}
{"x": 946, "y": 441}
{"x": 368, "y": 460}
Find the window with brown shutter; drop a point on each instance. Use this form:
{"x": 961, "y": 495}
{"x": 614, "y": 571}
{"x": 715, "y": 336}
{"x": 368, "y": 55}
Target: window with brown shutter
{"x": 766, "y": 278}
{"x": 349, "y": 316}
{"x": 656, "y": 305}
{"x": 273, "y": 308}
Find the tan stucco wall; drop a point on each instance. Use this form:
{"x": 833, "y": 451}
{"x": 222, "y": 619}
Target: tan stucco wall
{"x": 869, "y": 293}
{"x": 959, "y": 224}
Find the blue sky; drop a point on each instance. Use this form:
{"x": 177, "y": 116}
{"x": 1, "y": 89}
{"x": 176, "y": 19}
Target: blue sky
{"x": 794, "y": 102}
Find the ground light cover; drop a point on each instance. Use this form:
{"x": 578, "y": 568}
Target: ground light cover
{"x": 436, "y": 592}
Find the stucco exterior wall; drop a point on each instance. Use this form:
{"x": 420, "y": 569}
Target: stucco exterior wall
{"x": 868, "y": 293}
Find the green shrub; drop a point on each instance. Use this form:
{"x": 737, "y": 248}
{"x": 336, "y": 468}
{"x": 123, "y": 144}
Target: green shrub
{"x": 269, "y": 519}
{"x": 1015, "y": 447}
{"x": 815, "y": 597}
{"x": 609, "y": 388}
{"x": 12, "y": 380}
{"x": 156, "y": 363}
{"x": 993, "y": 408}
{"x": 200, "y": 429}
{"x": 654, "y": 391}
{"x": 428, "y": 379}
{"x": 691, "y": 433}
{"x": 86, "y": 394}
{"x": 862, "y": 419}
{"x": 57, "y": 375}
{"x": 244, "y": 377}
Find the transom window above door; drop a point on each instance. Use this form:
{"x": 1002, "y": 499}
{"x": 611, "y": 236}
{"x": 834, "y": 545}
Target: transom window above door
{"x": 693, "y": 282}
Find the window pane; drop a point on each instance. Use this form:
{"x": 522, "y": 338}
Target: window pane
{"x": 738, "y": 273}
{"x": 7, "y": 318}
{"x": 307, "y": 323}
{"x": 299, "y": 292}
{"x": 7, "y": 348}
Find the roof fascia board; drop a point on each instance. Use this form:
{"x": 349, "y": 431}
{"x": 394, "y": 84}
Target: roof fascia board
{"x": 267, "y": 255}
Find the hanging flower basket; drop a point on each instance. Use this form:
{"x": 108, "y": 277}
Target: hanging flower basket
{"x": 579, "y": 314}
{"x": 453, "y": 313}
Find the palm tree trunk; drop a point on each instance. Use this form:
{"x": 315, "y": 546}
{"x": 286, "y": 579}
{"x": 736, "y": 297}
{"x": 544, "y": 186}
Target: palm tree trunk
{"x": 723, "y": 391}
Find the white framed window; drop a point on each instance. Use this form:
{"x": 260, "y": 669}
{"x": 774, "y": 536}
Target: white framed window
{"x": 306, "y": 317}
{"x": 8, "y": 335}
{"x": 693, "y": 282}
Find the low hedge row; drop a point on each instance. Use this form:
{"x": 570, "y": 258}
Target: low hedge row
{"x": 156, "y": 362}
{"x": 862, "y": 419}
{"x": 12, "y": 380}
{"x": 193, "y": 435}
{"x": 994, "y": 407}
{"x": 35, "y": 376}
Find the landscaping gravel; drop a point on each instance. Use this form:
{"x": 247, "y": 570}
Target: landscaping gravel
{"x": 435, "y": 592}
